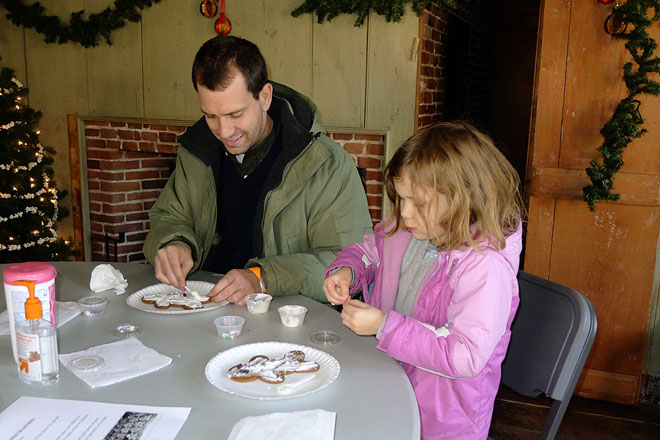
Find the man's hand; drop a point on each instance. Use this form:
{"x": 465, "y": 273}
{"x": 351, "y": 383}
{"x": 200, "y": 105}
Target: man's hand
{"x": 172, "y": 264}
{"x": 235, "y": 286}
{"x": 337, "y": 286}
{"x": 360, "y": 317}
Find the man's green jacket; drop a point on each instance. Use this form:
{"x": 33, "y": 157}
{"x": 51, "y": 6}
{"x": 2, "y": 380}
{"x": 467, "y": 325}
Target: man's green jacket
{"x": 317, "y": 208}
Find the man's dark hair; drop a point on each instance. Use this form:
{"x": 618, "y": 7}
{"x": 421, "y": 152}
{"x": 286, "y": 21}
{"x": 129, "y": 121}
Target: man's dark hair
{"x": 217, "y": 58}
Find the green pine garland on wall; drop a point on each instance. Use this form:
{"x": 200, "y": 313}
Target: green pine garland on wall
{"x": 79, "y": 30}
{"x": 393, "y": 10}
{"x": 626, "y": 122}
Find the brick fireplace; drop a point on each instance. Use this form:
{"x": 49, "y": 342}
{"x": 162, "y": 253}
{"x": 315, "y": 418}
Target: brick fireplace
{"x": 124, "y": 164}
{"x": 452, "y": 74}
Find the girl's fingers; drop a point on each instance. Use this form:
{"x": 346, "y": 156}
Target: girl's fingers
{"x": 357, "y": 303}
{"x": 329, "y": 288}
{"x": 335, "y": 291}
{"x": 344, "y": 290}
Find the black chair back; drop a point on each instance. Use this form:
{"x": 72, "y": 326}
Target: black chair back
{"x": 551, "y": 337}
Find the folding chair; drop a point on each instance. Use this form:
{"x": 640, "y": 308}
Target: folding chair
{"x": 550, "y": 340}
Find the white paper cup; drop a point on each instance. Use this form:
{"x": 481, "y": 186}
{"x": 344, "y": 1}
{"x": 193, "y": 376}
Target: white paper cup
{"x": 292, "y": 316}
{"x": 258, "y": 302}
{"x": 229, "y": 327}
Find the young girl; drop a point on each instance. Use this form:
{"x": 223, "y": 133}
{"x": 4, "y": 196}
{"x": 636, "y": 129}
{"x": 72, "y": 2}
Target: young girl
{"x": 443, "y": 275}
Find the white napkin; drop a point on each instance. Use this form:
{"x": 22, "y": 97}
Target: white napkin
{"x": 124, "y": 360}
{"x": 64, "y": 311}
{"x": 315, "y": 424}
{"x": 105, "y": 277}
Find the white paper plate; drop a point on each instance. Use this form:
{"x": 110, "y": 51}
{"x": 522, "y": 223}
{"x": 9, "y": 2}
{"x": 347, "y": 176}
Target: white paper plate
{"x": 202, "y": 287}
{"x": 216, "y": 371}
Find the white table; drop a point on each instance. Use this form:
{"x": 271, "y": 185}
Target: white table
{"x": 372, "y": 396}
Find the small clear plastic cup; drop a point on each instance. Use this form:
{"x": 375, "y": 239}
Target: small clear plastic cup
{"x": 87, "y": 363}
{"x": 292, "y": 315}
{"x": 258, "y": 302}
{"x": 93, "y": 305}
{"x": 229, "y": 327}
{"x": 325, "y": 337}
{"x": 126, "y": 330}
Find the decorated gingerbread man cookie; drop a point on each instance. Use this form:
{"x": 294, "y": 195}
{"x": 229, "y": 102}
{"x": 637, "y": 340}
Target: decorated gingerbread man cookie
{"x": 272, "y": 370}
{"x": 182, "y": 300}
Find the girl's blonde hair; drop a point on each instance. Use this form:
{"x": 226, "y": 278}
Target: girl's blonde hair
{"x": 482, "y": 188}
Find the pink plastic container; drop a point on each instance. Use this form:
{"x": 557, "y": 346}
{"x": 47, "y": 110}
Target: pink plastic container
{"x": 43, "y": 274}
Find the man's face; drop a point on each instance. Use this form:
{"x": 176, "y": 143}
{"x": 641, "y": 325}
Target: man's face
{"x": 234, "y": 116}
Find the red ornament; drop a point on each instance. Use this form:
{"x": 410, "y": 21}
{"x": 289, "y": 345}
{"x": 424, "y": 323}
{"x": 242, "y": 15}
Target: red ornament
{"x": 222, "y": 24}
{"x": 208, "y": 8}
{"x": 606, "y": 2}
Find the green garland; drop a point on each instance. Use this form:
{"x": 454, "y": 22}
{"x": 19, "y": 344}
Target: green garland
{"x": 79, "y": 30}
{"x": 393, "y": 10}
{"x": 626, "y": 122}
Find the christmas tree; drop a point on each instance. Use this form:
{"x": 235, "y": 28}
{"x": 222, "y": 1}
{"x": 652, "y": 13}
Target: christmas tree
{"x": 29, "y": 207}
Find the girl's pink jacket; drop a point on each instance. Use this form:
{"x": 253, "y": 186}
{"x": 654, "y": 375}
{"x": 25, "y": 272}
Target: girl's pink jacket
{"x": 453, "y": 345}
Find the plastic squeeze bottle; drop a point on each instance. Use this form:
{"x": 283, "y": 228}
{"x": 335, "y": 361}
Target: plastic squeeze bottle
{"x": 36, "y": 341}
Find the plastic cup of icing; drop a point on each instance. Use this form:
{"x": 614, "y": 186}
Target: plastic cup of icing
{"x": 229, "y": 327}
{"x": 258, "y": 302}
{"x": 93, "y": 305}
{"x": 292, "y": 316}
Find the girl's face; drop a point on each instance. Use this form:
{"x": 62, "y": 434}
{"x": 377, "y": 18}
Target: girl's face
{"x": 417, "y": 204}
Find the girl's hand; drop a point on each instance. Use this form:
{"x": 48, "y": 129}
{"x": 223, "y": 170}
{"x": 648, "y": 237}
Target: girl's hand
{"x": 360, "y": 317}
{"x": 337, "y": 286}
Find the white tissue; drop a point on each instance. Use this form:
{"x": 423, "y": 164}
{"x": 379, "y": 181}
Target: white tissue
{"x": 123, "y": 360}
{"x": 315, "y": 424}
{"x": 105, "y": 277}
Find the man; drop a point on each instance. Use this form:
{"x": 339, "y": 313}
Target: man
{"x": 259, "y": 192}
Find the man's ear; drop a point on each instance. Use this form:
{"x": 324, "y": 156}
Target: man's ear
{"x": 266, "y": 96}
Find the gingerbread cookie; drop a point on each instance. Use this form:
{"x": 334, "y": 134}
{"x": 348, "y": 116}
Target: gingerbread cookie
{"x": 272, "y": 370}
{"x": 175, "y": 299}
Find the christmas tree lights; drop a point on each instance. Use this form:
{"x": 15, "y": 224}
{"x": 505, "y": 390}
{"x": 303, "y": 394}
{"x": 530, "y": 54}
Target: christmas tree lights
{"x": 29, "y": 199}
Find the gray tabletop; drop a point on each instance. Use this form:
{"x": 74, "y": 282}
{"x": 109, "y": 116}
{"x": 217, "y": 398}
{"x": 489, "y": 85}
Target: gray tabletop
{"x": 372, "y": 396}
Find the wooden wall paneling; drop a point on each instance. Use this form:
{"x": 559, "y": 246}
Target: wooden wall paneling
{"x": 12, "y": 43}
{"x": 609, "y": 256}
{"x": 339, "y": 71}
{"x": 594, "y": 73}
{"x": 392, "y": 50}
{"x": 285, "y": 41}
{"x": 538, "y": 241}
{"x": 545, "y": 136}
{"x": 594, "y": 84}
{"x": 172, "y": 32}
{"x": 634, "y": 188}
{"x": 56, "y": 92}
{"x": 75, "y": 159}
{"x": 391, "y": 77}
{"x": 545, "y": 130}
{"x": 643, "y": 155}
{"x": 557, "y": 182}
{"x": 606, "y": 385}
{"x": 115, "y": 75}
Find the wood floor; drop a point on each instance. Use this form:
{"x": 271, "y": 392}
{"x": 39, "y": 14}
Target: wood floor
{"x": 519, "y": 418}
